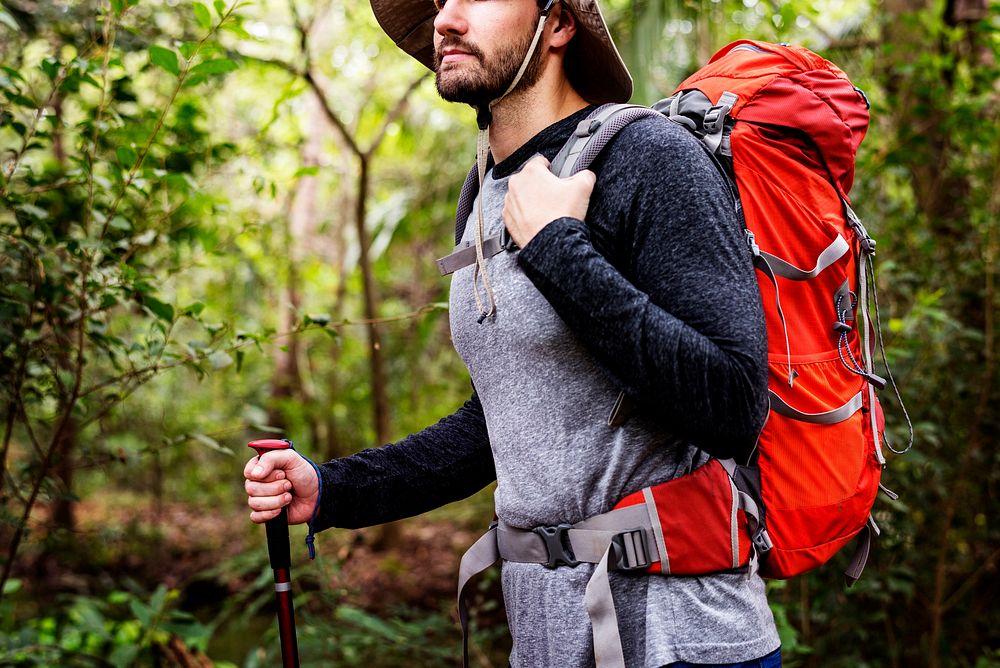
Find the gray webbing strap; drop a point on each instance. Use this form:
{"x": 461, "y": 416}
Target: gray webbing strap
{"x": 465, "y": 255}
{"x": 829, "y": 256}
{"x": 863, "y": 548}
{"x": 608, "y": 651}
{"x": 477, "y": 559}
{"x": 762, "y": 263}
{"x": 867, "y": 344}
{"x": 834, "y": 416}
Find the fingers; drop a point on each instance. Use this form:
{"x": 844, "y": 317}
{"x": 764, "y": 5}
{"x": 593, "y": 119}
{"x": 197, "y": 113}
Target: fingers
{"x": 539, "y": 161}
{"x": 259, "y": 517}
{"x": 269, "y": 466}
{"x": 269, "y": 502}
{"x": 271, "y": 488}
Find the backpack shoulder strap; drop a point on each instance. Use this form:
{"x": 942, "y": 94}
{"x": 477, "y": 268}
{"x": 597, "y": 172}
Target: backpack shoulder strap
{"x": 593, "y": 133}
{"x": 466, "y": 199}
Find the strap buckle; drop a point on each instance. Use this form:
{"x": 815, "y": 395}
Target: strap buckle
{"x": 761, "y": 540}
{"x": 715, "y": 117}
{"x": 630, "y": 553}
{"x": 557, "y": 544}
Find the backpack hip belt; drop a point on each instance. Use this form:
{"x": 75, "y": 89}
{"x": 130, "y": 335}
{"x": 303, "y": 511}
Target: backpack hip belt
{"x": 644, "y": 533}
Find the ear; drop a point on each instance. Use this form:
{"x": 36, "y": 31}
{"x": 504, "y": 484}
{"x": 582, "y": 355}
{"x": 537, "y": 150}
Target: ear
{"x": 563, "y": 26}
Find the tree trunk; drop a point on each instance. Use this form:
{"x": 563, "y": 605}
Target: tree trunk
{"x": 389, "y": 535}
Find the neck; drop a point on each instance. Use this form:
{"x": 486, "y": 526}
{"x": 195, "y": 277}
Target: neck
{"x": 524, "y": 113}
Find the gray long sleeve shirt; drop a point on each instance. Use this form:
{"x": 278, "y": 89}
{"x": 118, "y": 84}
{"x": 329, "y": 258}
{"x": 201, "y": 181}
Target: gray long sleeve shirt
{"x": 653, "y": 294}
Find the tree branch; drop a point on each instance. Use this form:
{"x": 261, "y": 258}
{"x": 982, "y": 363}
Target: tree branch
{"x": 396, "y": 112}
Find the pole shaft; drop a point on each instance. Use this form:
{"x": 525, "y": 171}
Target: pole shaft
{"x": 279, "y": 553}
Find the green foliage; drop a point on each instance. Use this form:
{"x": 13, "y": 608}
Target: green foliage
{"x": 122, "y": 629}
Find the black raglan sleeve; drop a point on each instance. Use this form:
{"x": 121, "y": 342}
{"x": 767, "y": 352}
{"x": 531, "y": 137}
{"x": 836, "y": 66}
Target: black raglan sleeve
{"x": 445, "y": 462}
{"x": 684, "y": 332}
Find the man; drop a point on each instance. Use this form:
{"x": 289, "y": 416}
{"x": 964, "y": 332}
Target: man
{"x": 636, "y": 281}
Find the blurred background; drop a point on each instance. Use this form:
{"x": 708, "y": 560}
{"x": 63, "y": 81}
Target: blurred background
{"x": 218, "y": 222}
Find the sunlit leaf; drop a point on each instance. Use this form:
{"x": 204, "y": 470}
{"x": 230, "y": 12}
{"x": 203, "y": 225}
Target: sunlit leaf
{"x": 164, "y": 58}
{"x": 215, "y": 66}
{"x": 202, "y": 15}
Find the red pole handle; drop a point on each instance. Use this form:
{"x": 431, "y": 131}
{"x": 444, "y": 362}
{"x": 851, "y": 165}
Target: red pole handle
{"x": 279, "y": 553}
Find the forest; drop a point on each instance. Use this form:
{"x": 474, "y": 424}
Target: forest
{"x": 219, "y": 221}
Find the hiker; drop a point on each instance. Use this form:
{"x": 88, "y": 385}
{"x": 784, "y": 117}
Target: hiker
{"x": 633, "y": 280}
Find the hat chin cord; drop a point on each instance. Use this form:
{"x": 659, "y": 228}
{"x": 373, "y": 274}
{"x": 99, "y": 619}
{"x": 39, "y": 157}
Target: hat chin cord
{"x": 484, "y": 116}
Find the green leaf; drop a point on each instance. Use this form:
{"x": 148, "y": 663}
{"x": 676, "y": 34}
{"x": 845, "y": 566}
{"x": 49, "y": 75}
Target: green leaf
{"x": 195, "y": 80}
{"x": 121, "y": 224}
{"x": 211, "y": 443}
{"x": 126, "y": 156}
{"x": 33, "y": 211}
{"x": 306, "y": 171}
{"x": 51, "y": 68}
{"x": 161, "y": 310}
{"x": 21, "y": 100}
{"x": 215, "y": 66}
{"x": 220, "y": 7}
{"x": 11, "y": 586}
{"x": 202, "y": 15}
{"x": 188, "y": 49}
{"x": 124, "y": 655}
{"x": 193, "y": 310}
{"x": 165, "y": 58}
{"x": 141, "y": 611}
{"x": 118, "y": 6}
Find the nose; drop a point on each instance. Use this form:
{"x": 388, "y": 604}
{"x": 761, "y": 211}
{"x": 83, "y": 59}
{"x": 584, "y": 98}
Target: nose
{"x": 450, "y": 20}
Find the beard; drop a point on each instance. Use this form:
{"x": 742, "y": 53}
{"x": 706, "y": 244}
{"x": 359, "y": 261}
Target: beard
{"x": 478, "y": 85}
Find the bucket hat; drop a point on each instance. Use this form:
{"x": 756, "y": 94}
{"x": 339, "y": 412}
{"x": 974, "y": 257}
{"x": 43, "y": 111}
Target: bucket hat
{"x": 593, "y": 63}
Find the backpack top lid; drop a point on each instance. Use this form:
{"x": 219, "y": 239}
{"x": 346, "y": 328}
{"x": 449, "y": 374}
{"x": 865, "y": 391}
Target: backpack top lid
{"x": 789, "y": 86}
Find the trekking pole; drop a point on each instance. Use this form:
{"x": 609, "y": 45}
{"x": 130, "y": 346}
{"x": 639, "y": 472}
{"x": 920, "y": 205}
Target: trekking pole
{"x": 279, "y": 553}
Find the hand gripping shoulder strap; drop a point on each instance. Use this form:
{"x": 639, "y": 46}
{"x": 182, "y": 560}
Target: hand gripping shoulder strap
{"x": 588, "y": 140}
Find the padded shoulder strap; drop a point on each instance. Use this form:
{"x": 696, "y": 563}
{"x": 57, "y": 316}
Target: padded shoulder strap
{"x": 592, "y": 134}
{"x": 466, "y": 200}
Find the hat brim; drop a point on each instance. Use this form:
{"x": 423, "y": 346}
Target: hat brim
{"x": 594, "y": 66}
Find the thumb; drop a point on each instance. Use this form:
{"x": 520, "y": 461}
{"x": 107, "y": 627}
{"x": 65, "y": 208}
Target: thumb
{"x": 538, "y": 160}
{"x": 268, "y": 462}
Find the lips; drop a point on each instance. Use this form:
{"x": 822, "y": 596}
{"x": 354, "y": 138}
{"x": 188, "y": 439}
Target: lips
{"x": 452, "y": 51}
{"x": 455, "y": 55}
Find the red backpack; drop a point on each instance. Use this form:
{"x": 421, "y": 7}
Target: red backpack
{"x": 785, "y": 125}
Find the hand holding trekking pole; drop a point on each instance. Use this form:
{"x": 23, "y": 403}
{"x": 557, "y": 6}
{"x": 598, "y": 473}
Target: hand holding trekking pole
{"x": 263, "y": 476}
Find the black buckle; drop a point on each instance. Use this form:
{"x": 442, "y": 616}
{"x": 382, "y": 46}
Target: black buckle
{"x": 557, "y": 545}
{"x": 629, "y": 551}
{"x": 507, "y": 242}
